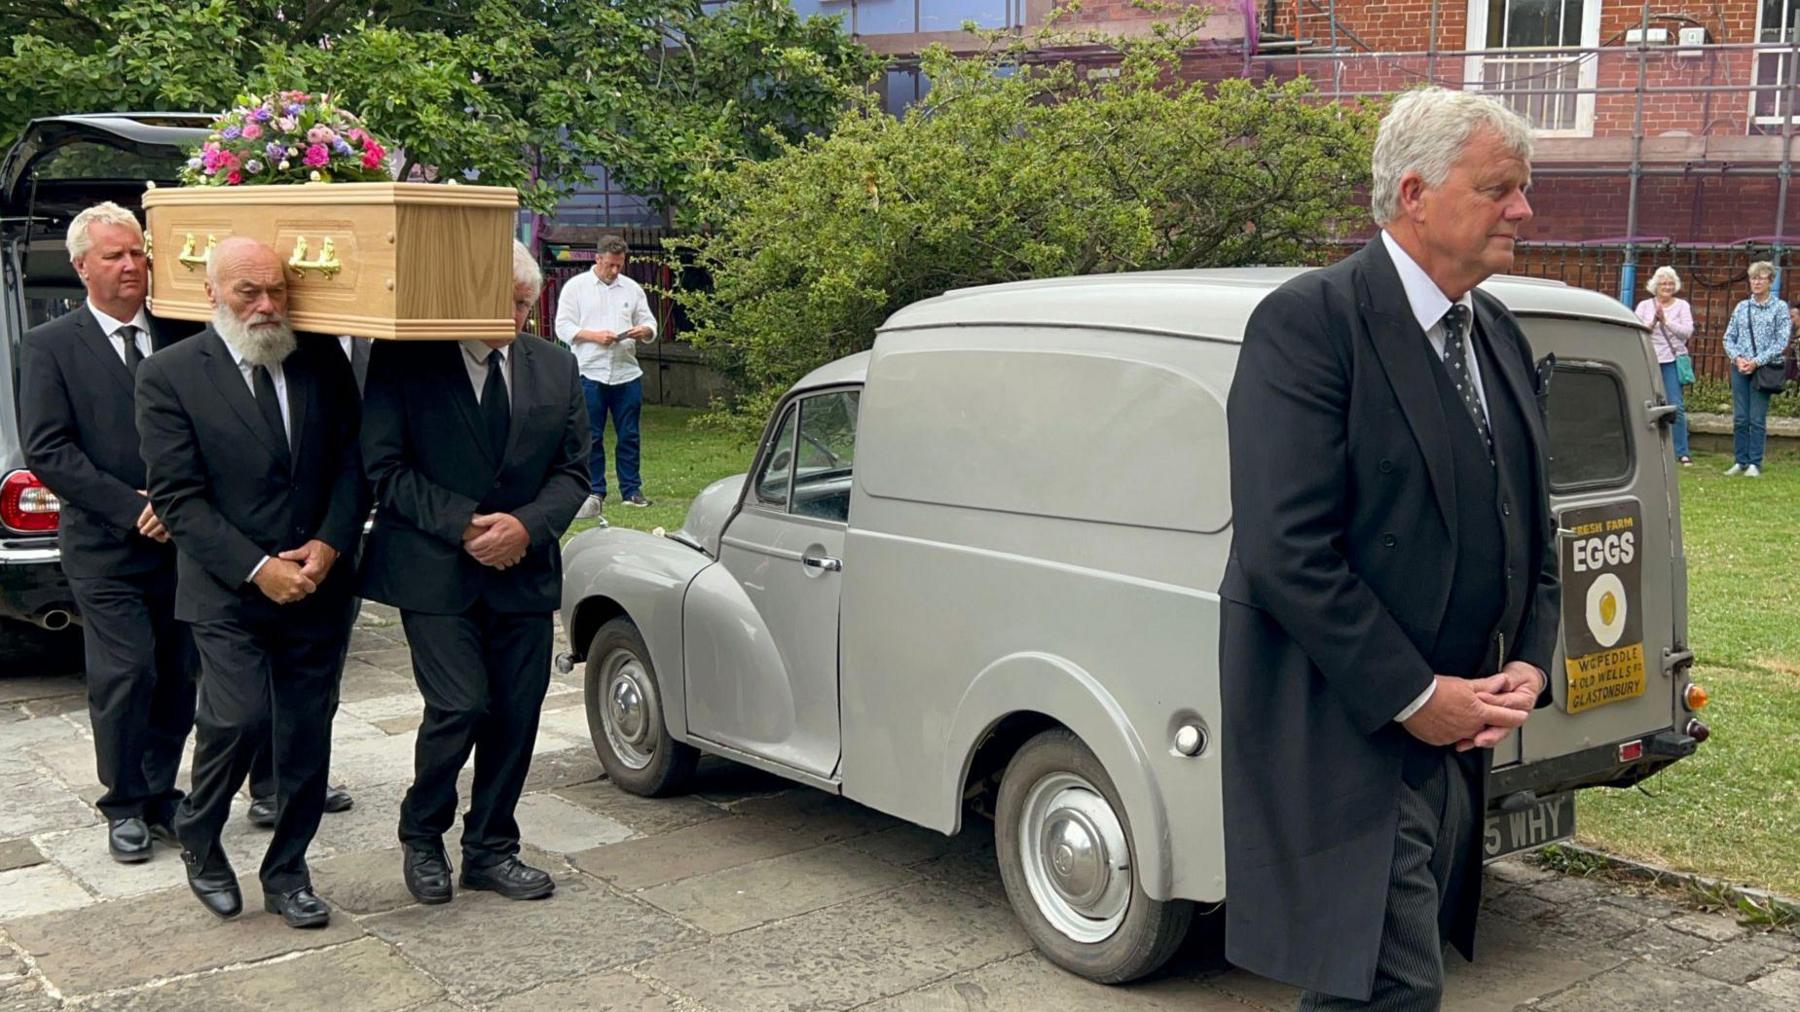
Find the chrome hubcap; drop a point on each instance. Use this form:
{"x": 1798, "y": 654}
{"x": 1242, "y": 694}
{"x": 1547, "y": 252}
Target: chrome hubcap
{"x": 1077, "y": 864}
{"x": 627, "y": 697}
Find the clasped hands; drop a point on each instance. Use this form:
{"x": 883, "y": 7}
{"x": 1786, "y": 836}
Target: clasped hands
{"x": 1477, "y": 712}
{"x": 496, "y": 539}
{"x": 295, "y": 574}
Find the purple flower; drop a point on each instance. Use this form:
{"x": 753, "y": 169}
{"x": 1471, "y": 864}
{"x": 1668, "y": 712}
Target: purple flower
{"x": 275, "y": 151}
{"x": 317, "y": 156}
{"x": 295, "y": 108}
{"x": 342, "y": 146}
{"x": 253, "y": 166}
{"x": 230, "y": 133}
{"x": 262, "y": 114}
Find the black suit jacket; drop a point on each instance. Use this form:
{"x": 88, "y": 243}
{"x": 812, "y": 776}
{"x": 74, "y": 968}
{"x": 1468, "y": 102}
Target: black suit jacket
{"x": 80, "y": 436}
{"x": 427, "y": 457}
{"x": 1344, "y": 524}
{"x": 227, "y": 491}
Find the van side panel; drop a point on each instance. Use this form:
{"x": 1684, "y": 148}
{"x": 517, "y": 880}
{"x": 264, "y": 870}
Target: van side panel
{"x": 1027, "y": 583}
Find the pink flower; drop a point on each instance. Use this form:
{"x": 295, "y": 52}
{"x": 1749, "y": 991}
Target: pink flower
{"x": 318, "y": 156}
{"x": 234, "y": 178}
{"x": 252, "y": 131}
{"x": 287, "y": 124}
{"x": 373, "y": 154}
{"x": 321, "y": 134}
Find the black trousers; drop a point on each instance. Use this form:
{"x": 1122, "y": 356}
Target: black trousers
{"x": 263, "y": 682}
{"x": 140, "y": 687}
{"x": 262, "y": 765}
{"x": 483, "y": 675}
{"x": 1437, "y": 820}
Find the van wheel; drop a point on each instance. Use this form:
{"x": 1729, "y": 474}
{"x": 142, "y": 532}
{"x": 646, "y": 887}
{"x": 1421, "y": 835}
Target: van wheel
{"x": 625, "y": 716}
{"x": 1067, "y": 863}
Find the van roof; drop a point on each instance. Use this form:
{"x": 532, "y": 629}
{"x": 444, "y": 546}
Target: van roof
{"x": 1208, "y": 304}
{"x": 1213, "y": 304}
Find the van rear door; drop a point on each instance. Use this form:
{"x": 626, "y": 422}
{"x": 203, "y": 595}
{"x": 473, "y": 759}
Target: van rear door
{"x": 1615, "y": 495}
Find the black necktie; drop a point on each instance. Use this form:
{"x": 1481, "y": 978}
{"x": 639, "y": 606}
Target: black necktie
{"x": 496, "y": 407}
{"x": 1456, "y": 359}
{"x": 133, "y": 355}
{"x": 269, "y": 403}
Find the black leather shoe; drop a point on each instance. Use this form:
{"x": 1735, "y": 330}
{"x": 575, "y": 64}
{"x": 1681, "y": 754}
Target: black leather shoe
{"x": 511, "y": 878}
{"x": 128, "y": 839}
{"x": 427, "y": 874}
{"x": 164, "y": 832}
{"x": 217, "y": 889}
{"x": 338, "y": 800}
{"x": 301, "y": 908}
{"x": 262, "y": 813}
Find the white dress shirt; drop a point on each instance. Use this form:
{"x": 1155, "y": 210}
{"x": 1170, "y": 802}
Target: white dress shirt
{"x": 475, "y": 356}
{"x": 587, "y": 303}
{"x": 279, "y": 378}
{"x": 1429, "y": 304}
{"x": 348, "y": 344}
{"x": 110, "y": 327}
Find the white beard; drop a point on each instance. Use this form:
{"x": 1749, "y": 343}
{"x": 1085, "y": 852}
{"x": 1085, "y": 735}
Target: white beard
{"x": 262, "y": 344}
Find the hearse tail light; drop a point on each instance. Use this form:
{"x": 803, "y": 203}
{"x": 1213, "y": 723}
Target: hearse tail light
{"x": 1631, "y": 751}
{"x": 1695, "y": 697}
{"x": 27, "y": 506}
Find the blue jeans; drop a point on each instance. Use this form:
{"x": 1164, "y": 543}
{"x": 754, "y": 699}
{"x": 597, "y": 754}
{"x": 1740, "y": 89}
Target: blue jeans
{"x": 624, "y": 401}
{"x": 1749, "y": 417}
{"x": 1672, "y": 387}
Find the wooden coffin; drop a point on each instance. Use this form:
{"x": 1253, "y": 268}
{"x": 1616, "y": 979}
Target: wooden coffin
{"x": 391, "y": 260}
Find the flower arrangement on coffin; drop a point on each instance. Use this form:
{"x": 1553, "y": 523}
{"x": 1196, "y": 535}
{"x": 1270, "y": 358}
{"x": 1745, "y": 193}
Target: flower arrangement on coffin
{"x": 287, "y": 137}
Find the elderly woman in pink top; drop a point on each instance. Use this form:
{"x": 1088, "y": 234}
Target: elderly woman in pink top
{"x": 1671, "y": 323}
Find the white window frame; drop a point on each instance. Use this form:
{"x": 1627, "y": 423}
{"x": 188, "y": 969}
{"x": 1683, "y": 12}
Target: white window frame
{"x": 1476, "y": 40}
{"x": 1793, "y": 7}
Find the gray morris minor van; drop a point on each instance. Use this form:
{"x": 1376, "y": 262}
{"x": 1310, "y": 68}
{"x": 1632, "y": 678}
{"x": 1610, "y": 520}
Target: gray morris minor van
{"x": 979, "y": 563}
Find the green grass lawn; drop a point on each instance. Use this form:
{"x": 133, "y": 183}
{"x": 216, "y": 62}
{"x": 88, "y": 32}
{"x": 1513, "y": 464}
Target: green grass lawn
{"x": 678, "y": 460}
{"x": 1733, "y": 810}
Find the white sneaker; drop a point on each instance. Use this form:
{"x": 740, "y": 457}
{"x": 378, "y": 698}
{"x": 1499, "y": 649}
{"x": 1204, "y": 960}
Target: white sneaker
{"x": 1753, "y": 471}
{"x": 590, "y": 509}
{"x": 1734, "y": 469}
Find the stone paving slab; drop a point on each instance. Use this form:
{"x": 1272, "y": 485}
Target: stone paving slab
{"x": 645, "y": 816}
{"x": 39, "y": 889}
{"x": 563, "y": 827}
{"x": 684, "y": 853}
{"x": 907, "y": 844}
{"x": 567, "y": 767}
{"x": 826, "y": 818}
{"x": 1030, "y": 983}
{"x": 21, "y": 688}
{"x": 364, "y": 975}
{"x": 31, "y": 802}
{"x": 845, "y": 955}
{"x": 19, "y": 854}
{"x": 1638, "y": 986}
{"x": 603, "y": 992}
{"x": 486, "y": 947}
{"x": 105, "y": 946}
{"x": 1739, "y": 961}
{"x": 779, "y": 887}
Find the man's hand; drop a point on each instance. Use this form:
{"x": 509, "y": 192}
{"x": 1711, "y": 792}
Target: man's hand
{"x": 502, "y": 542}
{"x": 150, "y": 525}
{"x": 1455, "y": 714}
{"x": 1523, "y": 683}
{"x": 1745, "y": 366}
{"x": 315, "y": 558}
{"x": 283, "y": 581}
{"x": 629, "y": 333}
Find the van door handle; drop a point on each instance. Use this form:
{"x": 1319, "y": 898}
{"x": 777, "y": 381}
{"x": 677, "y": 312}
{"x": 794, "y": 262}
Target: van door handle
{"x": 823, "y": 563}
{"x": 1658, "y": 414}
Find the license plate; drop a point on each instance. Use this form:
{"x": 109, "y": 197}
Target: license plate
{"x": 1549, "y": 820}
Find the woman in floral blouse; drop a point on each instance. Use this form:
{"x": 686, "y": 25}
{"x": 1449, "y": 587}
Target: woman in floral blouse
{"x": 1671, "y": 323}
{"x": 1756, "y": 335}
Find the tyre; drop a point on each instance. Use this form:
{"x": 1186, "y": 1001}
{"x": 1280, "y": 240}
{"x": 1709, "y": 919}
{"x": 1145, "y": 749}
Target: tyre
{"x": 1067, "y": 862}
{"x": 625, "y": 716}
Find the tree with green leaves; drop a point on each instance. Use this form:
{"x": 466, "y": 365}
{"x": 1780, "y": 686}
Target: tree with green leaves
{"x": 1009, "y": 169}
{"x": 667, "y": 94}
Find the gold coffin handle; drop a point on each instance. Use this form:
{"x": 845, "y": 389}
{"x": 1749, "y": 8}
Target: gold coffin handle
{"x": 191, "y": 259}
{"x": 325, "y": 263}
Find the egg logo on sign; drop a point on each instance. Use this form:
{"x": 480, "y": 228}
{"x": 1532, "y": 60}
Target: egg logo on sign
{"x": 1606, "y": 608}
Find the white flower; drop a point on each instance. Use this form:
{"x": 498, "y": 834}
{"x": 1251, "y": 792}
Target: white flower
{"x": 283, "y": 166}
{"x": 314, "y": 175}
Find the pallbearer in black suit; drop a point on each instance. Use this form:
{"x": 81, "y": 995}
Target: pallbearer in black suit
{"x": 75, "y": 392}
{"x": 477, "y": 452}
{"x": 250, "y": 441}
{"x": 261, "y": 812}
{"x": 1390, "y": 605}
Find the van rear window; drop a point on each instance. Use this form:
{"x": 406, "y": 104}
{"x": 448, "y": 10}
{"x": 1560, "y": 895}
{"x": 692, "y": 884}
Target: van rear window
{"x": 1590, "y": 440}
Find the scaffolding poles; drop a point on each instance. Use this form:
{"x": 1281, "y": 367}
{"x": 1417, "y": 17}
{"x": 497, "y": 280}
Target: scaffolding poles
{"x": 1787, "y": 150}
{"x": 1628, "y": 270}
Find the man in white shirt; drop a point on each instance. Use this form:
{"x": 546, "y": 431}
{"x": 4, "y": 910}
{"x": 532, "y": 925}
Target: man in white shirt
{"x": 603, "y": 315}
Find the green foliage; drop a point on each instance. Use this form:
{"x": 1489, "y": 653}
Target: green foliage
{"x": 517, "y": 93}
{"x": 1008, "y": 170}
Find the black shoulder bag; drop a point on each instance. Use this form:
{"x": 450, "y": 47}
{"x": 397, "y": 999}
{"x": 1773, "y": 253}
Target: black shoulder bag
{"x": 1770, "y": 378}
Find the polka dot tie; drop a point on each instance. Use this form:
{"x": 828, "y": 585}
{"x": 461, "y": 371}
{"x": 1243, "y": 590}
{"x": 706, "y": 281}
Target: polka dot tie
{"x": 1456, "y": 359}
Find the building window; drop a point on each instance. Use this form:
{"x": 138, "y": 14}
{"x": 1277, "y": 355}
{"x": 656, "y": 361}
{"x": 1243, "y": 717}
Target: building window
{"x": 1775, "y": 26}
{"x": 1531, "y": 59}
